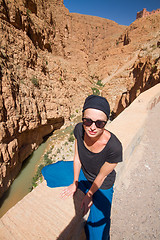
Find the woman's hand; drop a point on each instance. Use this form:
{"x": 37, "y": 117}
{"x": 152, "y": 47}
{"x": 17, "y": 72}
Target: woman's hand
{"x": 86, "y": 203}
{"x": 69, "y": 191}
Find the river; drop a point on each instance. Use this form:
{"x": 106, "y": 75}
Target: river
{"x": 23, "y": 182}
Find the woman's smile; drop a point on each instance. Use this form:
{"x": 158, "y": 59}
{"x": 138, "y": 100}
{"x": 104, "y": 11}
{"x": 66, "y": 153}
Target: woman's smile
{"x": 91, "y": 132}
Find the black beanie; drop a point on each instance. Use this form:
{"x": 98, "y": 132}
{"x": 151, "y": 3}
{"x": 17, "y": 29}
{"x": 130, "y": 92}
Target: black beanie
{"x": 97, "y": 102}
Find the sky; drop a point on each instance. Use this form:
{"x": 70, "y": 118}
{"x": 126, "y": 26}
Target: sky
{"x": 123, "y": 12}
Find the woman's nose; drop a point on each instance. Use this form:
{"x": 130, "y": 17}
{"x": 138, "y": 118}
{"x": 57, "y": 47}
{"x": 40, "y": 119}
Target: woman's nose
{"x": 93, "y": 126}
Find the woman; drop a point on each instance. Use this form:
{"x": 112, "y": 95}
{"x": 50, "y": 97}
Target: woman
{"x": 97, "y": 152}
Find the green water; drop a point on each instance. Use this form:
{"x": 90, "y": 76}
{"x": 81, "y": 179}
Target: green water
{"x": 22, "y": 184}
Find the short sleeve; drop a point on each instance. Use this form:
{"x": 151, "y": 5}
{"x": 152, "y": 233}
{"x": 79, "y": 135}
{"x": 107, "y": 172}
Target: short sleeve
{"x": 78, "y": 130}
{"x": 75, "y": 131}
{"x": 115, "y": 153}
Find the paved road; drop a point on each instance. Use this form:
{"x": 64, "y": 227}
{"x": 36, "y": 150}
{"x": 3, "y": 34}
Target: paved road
{"x": 136, "y": 205}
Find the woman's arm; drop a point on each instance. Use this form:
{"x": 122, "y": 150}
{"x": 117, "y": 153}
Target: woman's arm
{"x": 71, "y": 189}
{"x": 105, "y": 170}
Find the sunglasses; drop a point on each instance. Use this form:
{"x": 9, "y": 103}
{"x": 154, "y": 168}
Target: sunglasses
{"x": 88, "y": 122}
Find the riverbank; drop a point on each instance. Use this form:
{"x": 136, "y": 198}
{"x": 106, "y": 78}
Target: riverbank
{"x": 23, "y": 183}
{"x": 59, "y": 146}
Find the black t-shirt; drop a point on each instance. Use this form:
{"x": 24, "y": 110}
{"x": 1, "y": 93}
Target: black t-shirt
{"x": 92, "y": 162}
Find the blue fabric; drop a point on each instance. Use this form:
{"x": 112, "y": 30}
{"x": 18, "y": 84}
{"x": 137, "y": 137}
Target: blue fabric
{"x": 58, "y": 174}
{"x": 98, "y": 223}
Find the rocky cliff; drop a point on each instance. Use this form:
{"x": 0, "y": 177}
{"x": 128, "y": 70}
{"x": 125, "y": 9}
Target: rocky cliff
{"x": 50, "y": 60}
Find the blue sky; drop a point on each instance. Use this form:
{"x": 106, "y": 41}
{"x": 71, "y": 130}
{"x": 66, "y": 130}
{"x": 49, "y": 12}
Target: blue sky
{"x": 122, "y": 12}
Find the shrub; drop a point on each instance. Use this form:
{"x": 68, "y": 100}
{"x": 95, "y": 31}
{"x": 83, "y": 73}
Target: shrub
{"x": 117, "y": 42}
{"x": 96, "y": 91}
{"x": 35, "y": 81}
{"x": 47, "y": 160}
{"x": 99, "y": 82}
{"x": 37, "y": 176}
{"x": 58, "y": 150}
{"x": 71, "y": 137}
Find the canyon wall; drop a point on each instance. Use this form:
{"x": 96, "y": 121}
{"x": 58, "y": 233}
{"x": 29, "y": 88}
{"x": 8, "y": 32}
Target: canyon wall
{"x": 50, "y": 60}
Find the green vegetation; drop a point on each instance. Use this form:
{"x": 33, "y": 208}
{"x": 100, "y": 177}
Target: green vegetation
{"x": 154, "y": 68}
{"x": 35, "y": 81}
{"x": 71, "y": 137}
{"x": 95, "y": 91}
{"x": 117, "y": 42}
{"x": 154, "y": 46}
{"x": 28, "y": 12}
{"x": 58, "y": 150}
{"x": 47, "y": 160}
{"x": 99, "y": 83}
{"x": 72, "y": 116}
{"x": 38, "y": 175}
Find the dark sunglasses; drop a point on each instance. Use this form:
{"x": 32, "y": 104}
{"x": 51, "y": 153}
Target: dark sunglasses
{"x": 88, "y": 122}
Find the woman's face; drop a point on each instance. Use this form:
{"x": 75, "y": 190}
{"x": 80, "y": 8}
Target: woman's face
{"x": 94, "y": 114}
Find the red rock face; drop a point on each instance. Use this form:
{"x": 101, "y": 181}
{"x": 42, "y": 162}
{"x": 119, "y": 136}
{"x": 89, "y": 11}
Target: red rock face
{"x": 50, "y": 60}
